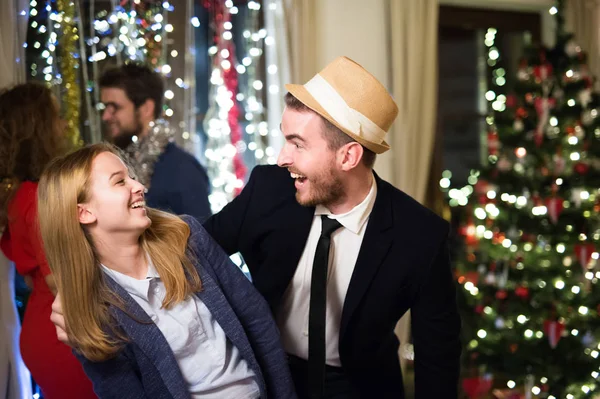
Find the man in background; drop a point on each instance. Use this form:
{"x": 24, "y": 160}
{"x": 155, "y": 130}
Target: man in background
{"x": 132, "y": 95}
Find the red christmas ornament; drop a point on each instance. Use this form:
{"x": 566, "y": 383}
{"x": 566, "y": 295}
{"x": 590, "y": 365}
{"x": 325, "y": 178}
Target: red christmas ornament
{"x": 527, "y": 237}
{"x": 584, "y": 252}
{"x": 479, "y": 309}
{"x": 472, "y": 277}
{"x": 555, "y": 208}
{"x": 493, "y": 143}
{"x": 521, "y": 113}
{"x": 529, "y": 98}
{"x": 553, "y": 330}
{"x": 477, "y": 387}
{"x": 542, "y": 72}
{"x": 511, "y": 100}
{"x": 581, "y": 168}
{"x": 481, "y": 187}
{"x": 508, "y": 393}
{"x": 501, "y": 294}
{"x": 522, "y": 292}
{"x": 468, "y": 231}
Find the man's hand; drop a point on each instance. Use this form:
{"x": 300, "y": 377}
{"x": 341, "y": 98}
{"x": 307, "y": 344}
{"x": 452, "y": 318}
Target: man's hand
{"x": 51, "y": 283}
{"x": 59, "y": 321}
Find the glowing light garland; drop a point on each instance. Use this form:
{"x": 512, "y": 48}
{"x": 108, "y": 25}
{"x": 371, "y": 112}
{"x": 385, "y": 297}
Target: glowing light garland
{"x": 222, "y": 123}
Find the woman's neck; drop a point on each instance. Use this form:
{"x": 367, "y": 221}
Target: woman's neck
{"x": 127, "y": 258}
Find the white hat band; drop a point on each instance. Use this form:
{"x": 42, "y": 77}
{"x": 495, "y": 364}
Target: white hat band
{"x": 349, "y": 118}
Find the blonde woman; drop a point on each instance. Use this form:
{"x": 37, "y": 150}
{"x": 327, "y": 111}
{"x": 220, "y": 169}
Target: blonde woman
{"x": 30, "y": 137}
{"x": 153, "y": 306}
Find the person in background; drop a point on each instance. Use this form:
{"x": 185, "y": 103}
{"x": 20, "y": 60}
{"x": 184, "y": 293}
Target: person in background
{"x": 154, "y": 307}
{"x": 132, "y": 96}
{"x": 30, "y": 137}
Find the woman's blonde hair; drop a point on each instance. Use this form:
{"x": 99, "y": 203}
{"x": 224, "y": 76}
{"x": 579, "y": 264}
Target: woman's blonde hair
{"x": 30, "y": 136}
{"x": 71, "y": 255}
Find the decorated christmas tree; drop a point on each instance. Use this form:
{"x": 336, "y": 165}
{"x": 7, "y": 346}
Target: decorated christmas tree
{"x": 528, "y": 273}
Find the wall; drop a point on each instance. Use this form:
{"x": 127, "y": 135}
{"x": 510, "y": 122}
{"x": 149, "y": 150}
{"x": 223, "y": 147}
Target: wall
{"x": 356, "y": 29}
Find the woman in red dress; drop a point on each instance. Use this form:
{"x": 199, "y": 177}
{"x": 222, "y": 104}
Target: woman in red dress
{"x": 30, "y": 136}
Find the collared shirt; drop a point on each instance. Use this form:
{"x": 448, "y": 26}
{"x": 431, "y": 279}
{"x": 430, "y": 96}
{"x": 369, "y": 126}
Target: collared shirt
{"x": 292, "y": 316}
{"x": 211, "y": 365}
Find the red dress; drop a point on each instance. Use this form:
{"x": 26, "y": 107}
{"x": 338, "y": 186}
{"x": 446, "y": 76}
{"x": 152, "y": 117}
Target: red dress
{"x": 53, "y": 367}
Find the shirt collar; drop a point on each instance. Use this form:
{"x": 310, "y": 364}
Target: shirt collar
{"x": 139, "y": 288}
{"x": 355, "y": 219}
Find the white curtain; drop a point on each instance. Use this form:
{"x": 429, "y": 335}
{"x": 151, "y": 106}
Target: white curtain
{"x": 277, "y": 58}
{"x": 582, "y": 17}
{"x": 13, "y": 30}
{"x": 414, "y": 36}
{"x": 300, "y": 21}
{"x": 15, "y": 381}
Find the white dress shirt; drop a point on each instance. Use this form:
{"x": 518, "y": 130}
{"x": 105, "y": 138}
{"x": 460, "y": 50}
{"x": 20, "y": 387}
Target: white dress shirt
{"x": 292, "y": 317}
{"x": 211, "y": 365}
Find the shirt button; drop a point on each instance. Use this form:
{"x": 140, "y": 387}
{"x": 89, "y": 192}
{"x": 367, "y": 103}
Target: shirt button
{"x": 154, "y": 317}
{"x": 305, "y": 333}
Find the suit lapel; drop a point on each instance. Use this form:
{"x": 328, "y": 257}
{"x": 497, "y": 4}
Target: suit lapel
{"x": 373, "y": 251}
{"x": 147, "y": 336}
{"x": 298, "y": 228}
{"x": 289, "y": 233}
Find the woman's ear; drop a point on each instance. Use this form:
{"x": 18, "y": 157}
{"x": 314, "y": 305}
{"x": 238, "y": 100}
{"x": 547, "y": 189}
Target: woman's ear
{"x": 85, "y": 214}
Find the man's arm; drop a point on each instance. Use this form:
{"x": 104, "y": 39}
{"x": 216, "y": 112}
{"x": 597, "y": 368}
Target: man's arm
{"x": 436, "y": 332}
{"x": 225, "y": 226}
{"x": 58, "y": 319}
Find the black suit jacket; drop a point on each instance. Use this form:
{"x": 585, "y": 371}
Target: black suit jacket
{"x": 402, "y": 264}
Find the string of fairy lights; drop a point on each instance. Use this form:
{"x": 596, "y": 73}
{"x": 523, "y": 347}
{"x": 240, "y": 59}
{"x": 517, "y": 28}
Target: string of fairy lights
{"x": 139, "y": 31}
{"x": 225, "y": 148}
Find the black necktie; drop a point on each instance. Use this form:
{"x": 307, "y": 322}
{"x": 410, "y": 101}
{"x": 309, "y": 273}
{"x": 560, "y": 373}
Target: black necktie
{"x": 318, "y": 304}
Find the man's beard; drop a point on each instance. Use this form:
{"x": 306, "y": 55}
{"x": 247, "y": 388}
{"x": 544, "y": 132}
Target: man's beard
{"x": 325, "y": 189}
{"x": 124, "y": 138}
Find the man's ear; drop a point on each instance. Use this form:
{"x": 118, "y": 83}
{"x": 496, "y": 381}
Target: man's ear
{"x": 351, "y": 155}
{"x": 146, "y": 110}
{"x": 85, "y": 215}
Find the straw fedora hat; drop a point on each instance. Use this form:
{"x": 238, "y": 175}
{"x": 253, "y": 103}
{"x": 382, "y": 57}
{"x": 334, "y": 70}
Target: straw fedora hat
{"x": 352, "y": 99}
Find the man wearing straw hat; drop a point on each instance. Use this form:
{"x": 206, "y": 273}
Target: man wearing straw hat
{"x": 341, "y": 255}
